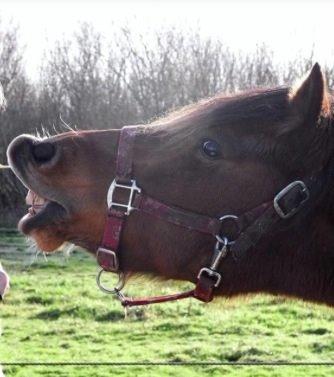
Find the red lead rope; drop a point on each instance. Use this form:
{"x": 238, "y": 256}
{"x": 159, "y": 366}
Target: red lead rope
{"x": 127, "y": 301}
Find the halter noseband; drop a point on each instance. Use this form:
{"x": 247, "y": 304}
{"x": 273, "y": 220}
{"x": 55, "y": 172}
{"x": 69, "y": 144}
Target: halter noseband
{"x": 248, "y": 228}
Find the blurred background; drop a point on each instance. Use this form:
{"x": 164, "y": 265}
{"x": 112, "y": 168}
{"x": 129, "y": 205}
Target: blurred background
{"x": 99, "y": 64}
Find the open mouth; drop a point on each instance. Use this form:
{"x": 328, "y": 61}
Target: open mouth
{"x": 42, "y": 212}
{"x": 28, "y": 156}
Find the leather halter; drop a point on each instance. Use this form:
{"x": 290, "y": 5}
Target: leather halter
{"x": 234, "y": 235}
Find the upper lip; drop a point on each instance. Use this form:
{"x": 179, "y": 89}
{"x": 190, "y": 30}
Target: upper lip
{"x": 28, "y": 178}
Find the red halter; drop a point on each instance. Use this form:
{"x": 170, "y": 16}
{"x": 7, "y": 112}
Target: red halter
{"x": 247, "y": 228}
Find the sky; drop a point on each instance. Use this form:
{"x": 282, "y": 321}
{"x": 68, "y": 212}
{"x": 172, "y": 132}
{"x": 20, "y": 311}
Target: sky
{"x": 289, "y": 28}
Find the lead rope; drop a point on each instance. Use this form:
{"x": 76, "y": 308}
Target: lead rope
{"x": 220, "y": 251}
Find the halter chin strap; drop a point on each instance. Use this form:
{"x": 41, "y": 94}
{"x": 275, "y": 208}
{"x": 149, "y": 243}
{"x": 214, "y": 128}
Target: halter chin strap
{"x": 233, "y": 235}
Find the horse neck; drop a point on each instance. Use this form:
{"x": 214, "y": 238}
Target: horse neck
{"x": 297, "y": 262}
{"x": 308, "y": 259}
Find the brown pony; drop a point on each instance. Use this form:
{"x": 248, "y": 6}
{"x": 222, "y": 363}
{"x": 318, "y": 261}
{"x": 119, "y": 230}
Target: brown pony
{"x": 225, "y": 155}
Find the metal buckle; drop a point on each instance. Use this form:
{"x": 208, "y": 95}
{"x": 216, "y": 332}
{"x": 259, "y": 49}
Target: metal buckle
{"x": 132, "y": 187}
{"x": 212, "y": 274}
{"x": 113, "y": 256}
{"x": 289, "y": 213}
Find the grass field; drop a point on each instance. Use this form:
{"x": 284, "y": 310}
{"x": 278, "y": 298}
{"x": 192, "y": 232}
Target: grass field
{"x": 55, "y": 312}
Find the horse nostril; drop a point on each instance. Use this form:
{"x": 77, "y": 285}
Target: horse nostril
{"x": 43, "y": 152}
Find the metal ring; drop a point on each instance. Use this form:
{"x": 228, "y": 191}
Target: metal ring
{"x": 221, "y": 219}
{"x": 116, "y": 290}
{"x": 234, "y": 217}
{"x": 222, "y": 240}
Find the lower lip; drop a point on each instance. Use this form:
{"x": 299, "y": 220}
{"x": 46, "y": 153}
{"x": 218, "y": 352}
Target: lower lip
{"x": 24, "y": 220}
{"x": 47, "y": 215}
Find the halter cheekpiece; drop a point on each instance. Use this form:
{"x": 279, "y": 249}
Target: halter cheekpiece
{"x": 248, "y": 228}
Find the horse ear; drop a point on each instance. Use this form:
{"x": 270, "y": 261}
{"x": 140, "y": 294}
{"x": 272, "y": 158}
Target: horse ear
{"x": 309, "y": 99}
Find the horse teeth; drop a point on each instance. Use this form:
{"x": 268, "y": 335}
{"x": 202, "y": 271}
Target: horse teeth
{"x": 35, "y": 202}
{"x": 32, "y": 199}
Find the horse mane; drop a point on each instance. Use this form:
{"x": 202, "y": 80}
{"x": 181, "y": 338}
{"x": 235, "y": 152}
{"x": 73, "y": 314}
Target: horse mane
{"x": 258, "y": 105}
{"x": 255, "y": 105}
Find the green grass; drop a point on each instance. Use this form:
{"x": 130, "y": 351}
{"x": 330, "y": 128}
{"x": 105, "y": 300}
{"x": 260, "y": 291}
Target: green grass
{"x": 55, "y": 312}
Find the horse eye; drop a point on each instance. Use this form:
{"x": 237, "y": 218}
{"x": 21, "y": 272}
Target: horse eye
{"x": 211, "y": 148}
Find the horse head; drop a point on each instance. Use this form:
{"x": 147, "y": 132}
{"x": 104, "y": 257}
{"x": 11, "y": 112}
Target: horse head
{"x": 224, "y": 155}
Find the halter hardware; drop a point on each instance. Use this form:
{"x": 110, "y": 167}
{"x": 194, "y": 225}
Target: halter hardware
{"x": 132, "y": 189}
{"x": 299, "y": 194}
{"x": 235, "y": 219}
{"x": 220, "y": 252}
{"x": 107, "y": 259}
{"x": 250, "y": 225}
{"x": 113, "y": 291}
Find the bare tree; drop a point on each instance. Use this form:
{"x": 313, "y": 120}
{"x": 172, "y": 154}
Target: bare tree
{"x": 95, "y": 82}
{"x": 15, "y": 120}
